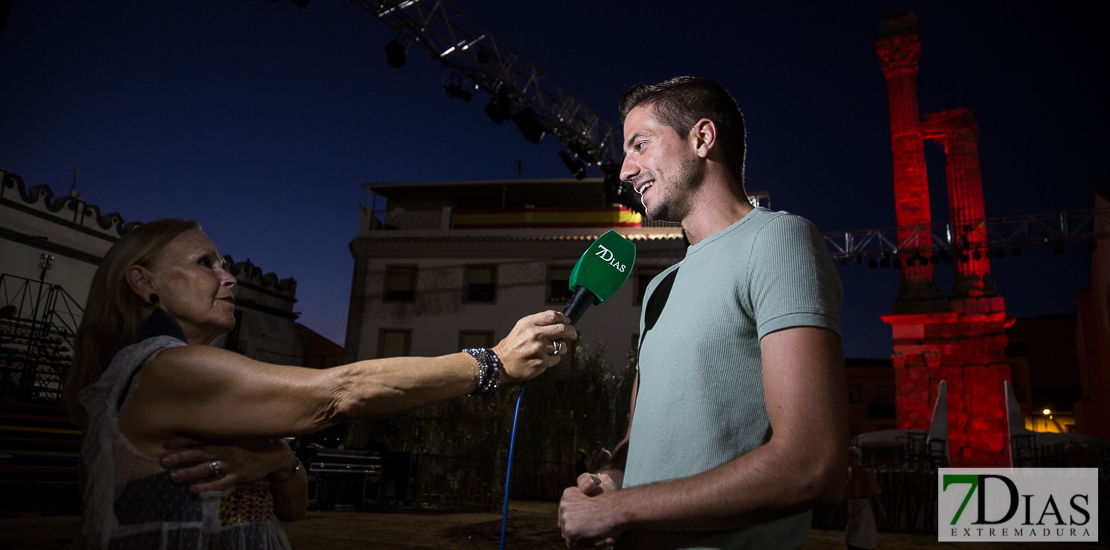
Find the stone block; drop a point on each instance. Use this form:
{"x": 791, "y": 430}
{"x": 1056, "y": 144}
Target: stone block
{"x": 909, "y": 332}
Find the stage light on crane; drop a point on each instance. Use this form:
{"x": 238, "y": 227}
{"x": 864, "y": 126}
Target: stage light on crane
{"x": 529, "y": 124}
{"x": 395, "y": 53}
{"x": 454, "y": 88}
{"x": 455, "y": 91}
{"x": 500, "y": 108}
{"x": 575, "y": 166}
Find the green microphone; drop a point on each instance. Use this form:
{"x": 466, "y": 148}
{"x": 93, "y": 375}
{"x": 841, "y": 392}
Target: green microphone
{"x": 599, "y": 273}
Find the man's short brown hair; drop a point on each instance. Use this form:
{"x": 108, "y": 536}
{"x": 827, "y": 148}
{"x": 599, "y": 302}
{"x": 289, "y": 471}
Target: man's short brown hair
{"x": 682, "y": 101}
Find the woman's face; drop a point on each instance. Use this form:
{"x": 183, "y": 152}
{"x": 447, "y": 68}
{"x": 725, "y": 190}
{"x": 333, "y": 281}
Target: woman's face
{"x": 192, "y": 285}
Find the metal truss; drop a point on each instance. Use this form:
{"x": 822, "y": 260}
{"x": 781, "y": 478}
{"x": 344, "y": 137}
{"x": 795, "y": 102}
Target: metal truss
{"x": 463, "y": 45}
{"x": 1054, "y": 228}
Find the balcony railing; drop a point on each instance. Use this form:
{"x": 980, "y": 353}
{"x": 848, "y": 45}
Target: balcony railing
{"x": 659, "y": 223}
{"x": 506, "y": 218}
{"x": 408, "y": 220}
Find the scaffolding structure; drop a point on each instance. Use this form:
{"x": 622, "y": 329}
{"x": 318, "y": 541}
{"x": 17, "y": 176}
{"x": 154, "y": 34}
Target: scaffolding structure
{"x": 938, "y": 243}
{"x": 38, "y": 322}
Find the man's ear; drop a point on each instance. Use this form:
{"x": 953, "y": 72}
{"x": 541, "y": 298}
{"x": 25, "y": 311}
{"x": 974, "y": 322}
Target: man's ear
{"x": 703, "y": 137}
{"x": 140, "y": 281}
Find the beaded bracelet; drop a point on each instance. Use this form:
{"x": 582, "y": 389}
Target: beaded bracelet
{"x": 489, "y": 369}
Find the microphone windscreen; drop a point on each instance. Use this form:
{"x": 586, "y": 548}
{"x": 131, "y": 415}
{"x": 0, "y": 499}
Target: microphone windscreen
{"x": 605, "y": 266}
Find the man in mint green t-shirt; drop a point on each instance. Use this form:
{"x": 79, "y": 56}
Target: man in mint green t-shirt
{"x": 739, "y": 423}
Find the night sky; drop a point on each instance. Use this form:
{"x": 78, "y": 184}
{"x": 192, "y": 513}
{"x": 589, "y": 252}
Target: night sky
{"x": 261, "y": 119}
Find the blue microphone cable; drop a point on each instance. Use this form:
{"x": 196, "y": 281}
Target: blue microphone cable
{"x": 509, "y": 467}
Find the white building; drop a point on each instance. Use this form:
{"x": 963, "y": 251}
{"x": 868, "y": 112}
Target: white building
{"x": 437, "y": 269}
{"x": 66, "y": 232}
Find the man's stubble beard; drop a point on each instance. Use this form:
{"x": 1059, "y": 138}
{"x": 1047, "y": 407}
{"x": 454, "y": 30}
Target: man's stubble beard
{"x": 675, "y": 200}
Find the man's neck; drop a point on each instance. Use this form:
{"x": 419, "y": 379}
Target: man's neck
{"x": 716, "y": 207}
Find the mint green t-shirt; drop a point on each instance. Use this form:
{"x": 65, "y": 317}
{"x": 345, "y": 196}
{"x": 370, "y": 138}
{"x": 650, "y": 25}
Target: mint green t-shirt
{"x": 700, "y": 401}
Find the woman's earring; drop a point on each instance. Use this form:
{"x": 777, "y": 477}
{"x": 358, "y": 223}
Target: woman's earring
{"x": 159, "y": 323}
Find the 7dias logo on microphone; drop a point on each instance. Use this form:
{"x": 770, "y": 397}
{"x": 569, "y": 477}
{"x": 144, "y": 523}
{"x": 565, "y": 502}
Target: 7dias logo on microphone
{"x": 1018, "y": 504}
{"x": 607, "y": 255}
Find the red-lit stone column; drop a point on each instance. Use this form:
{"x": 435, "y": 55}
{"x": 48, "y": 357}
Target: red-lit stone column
{"x": 919, "y": 299}
{"x": 898, "y": 52}
{"x": 972, "y": 340}
{"x": 956, "y": 131}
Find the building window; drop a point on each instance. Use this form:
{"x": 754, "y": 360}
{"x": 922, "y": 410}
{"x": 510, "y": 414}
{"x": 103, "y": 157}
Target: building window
{"x": 393, "y": 342}
{"x": 481, "y": 284}
{"x": 644, "y": 275}
{"x": 558, "y": 284}
{"x": 400, "y": 284}
{"x": 470, "y": 339}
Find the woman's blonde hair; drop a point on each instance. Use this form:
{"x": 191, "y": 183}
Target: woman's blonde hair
{"x": 114, "y": 312}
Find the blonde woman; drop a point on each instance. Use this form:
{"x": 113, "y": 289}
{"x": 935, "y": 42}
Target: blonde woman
{"x": 144, "y": 377}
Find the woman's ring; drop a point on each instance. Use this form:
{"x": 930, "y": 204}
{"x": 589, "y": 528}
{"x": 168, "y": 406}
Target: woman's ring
{"x": 216, "y": 468}
{"x": 559, "y": 346}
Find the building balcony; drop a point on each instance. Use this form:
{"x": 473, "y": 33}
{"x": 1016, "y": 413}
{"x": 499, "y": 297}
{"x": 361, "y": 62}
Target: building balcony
{"x": 448, "y": 218}
{"x": 530, "y": 207}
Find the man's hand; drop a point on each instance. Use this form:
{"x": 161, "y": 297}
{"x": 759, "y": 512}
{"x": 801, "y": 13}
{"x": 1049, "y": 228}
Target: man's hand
{"x": 597, "y": 484}
{"x": 584, "y": 509}
{"x": 584, "y": 520}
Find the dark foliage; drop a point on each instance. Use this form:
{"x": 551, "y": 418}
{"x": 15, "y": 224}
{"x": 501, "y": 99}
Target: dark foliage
{"x": 462, "y": 445}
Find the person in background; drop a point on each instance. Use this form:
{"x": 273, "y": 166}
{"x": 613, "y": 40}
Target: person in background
{"x": 862, "y": 532}
{"x": 600, "y": 458}
{"x": 581, "y": 465}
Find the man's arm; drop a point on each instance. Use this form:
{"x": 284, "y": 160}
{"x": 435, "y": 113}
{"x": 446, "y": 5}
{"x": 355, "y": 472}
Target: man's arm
{"x": 801, "y": 467}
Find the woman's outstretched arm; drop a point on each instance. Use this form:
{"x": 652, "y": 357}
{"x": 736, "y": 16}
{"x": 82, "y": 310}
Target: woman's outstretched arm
{"x": 210, "y": 392}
